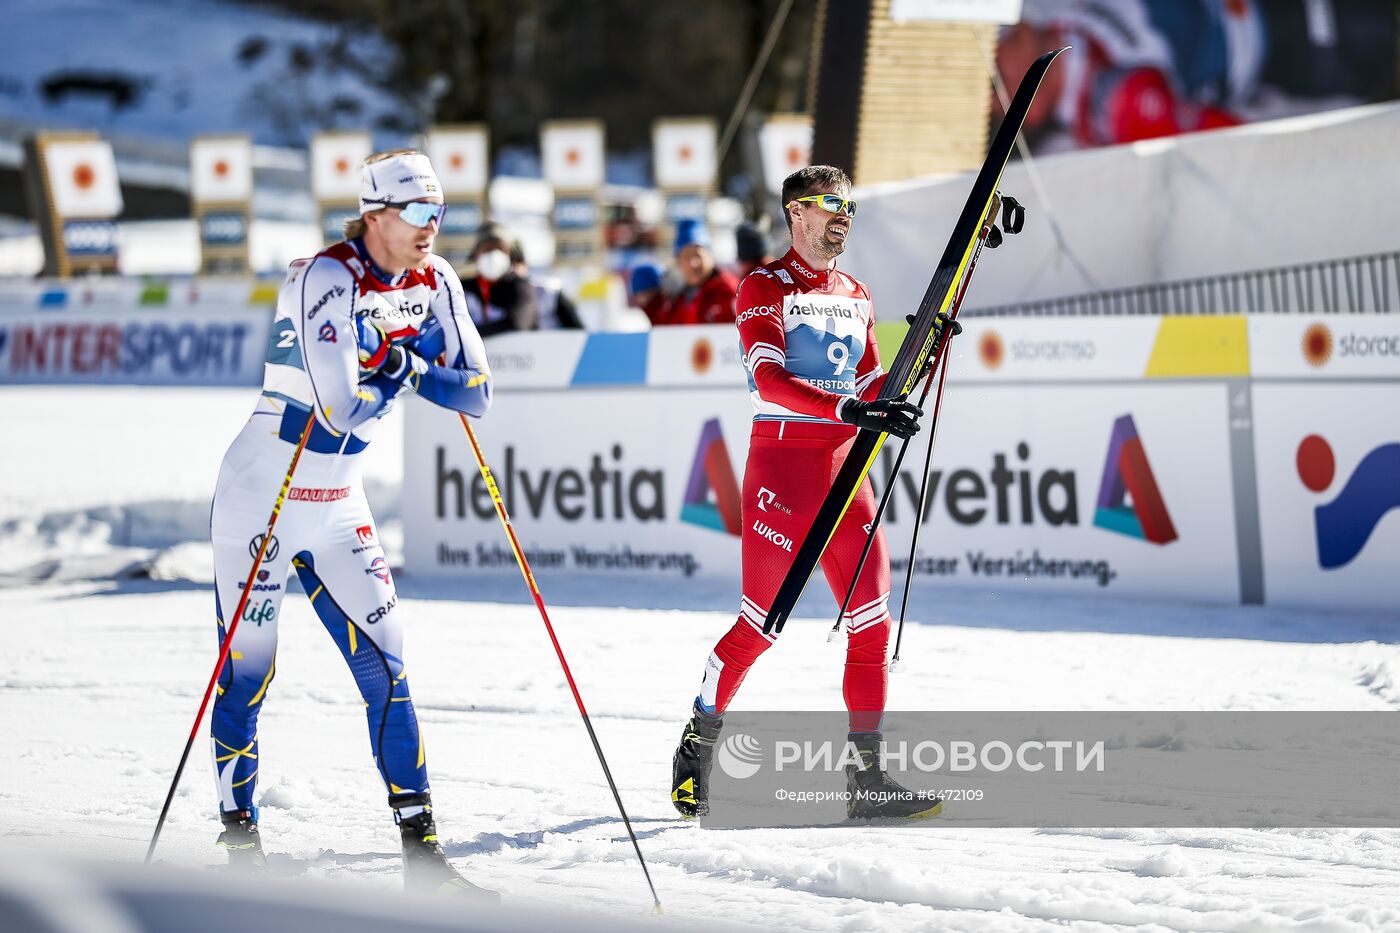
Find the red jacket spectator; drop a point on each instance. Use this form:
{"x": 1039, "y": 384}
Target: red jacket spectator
{"x": 708, "y": 297}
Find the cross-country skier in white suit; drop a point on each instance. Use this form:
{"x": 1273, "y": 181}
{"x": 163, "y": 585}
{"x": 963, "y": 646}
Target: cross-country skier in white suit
{"x": 357, "y": 324}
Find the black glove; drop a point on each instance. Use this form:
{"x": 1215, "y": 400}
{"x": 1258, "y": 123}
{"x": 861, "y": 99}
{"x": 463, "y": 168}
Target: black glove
{"x": 883, "y": 414}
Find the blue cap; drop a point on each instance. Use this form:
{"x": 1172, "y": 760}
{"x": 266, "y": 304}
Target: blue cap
{"x": 645, "y": 277}
{"x": 691, "y": 232}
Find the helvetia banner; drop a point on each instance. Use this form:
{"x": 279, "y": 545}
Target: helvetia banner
{"x": 1064, "y": 488}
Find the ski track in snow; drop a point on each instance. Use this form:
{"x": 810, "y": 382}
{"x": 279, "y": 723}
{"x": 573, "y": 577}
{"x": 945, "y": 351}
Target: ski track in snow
{"x": 99, "y": 681}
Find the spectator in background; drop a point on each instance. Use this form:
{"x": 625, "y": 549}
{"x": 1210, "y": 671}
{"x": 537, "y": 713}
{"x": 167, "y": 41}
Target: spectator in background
{"x": 556, "y": 310}
{"x": 507, "y": 300}
{"x": 709, "y": 292}
{"x": 644, "y": 285}
{"x": 1139, "y": 69}
{"x": 752, "y": 247}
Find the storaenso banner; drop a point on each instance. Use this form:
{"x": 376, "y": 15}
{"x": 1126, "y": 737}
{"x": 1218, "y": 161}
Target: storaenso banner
{"x": 1062, "y": 769}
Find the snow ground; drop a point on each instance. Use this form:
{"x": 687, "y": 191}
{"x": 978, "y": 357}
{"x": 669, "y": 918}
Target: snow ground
{"x": 99, "y": 679}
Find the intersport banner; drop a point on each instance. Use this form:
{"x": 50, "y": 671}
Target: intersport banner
{"x": 1062, "y": 488}
{"x": 160, "y": 346}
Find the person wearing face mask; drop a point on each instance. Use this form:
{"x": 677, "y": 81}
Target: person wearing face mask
{"x": 709, "y": 293}
{"x": 507, "y": 300}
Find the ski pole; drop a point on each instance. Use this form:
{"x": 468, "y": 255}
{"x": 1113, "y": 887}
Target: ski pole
{"x": 933, "y": 422}
{"x": 524, "y": 565}
{"x": 228, "y": 634}
{"x": 939, "y": 360}
{"x": 918, "y": 523}
{"x": 879, "y": 514}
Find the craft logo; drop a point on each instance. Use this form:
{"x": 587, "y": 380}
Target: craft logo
{"x": 740, "y": 756}
{"x": 382, "y": 611}
{"x": 1345, "y": 524}
{"x": 1130, "y": 503}
{"x": 712, "y": 494}
{"x": 990, "y": 349}
{"x": 1317, "y": 345}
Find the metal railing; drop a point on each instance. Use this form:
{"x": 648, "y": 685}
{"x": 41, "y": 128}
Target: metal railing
{"x": 1340, "y": 286}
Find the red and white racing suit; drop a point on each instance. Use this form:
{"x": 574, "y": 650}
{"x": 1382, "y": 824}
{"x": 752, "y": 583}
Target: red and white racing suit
{"x": 808, "y": 338}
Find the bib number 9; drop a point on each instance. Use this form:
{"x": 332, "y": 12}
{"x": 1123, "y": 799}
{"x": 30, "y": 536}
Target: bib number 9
{"x": 839, "y": 355}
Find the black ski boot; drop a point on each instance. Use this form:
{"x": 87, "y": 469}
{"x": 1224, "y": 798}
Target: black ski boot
{"x": 240, "y": 837}
{"x": 425, "y": 865}
{"x": 874, "y": 794}
{"x": 690, "y": 768}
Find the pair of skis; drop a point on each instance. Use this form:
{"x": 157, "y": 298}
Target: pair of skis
{"x": 925, "y": 343}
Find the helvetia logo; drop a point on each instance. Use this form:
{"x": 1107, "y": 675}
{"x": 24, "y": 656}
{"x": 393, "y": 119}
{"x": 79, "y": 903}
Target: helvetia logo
{"x": 1317, "y": 345}
{"x": 1345, "y": 524}
{"x": 740, "y": 756}
{"x": 1127, "y": 475}
{"x": 712, "y": 494}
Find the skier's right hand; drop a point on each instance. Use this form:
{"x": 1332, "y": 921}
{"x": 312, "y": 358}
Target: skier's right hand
{"x": 379, "y": 354}
{"x": 372, "y": 343}
{"x": 888, "y": 415}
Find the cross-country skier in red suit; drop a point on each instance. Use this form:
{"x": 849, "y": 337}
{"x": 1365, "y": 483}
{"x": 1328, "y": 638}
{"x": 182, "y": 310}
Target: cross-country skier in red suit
{"x": 808, "y": 337}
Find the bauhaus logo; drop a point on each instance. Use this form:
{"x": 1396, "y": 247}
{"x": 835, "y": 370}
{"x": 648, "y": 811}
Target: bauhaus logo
{"x": 1371, "y": 491}
{"x": 1130, "y": 503}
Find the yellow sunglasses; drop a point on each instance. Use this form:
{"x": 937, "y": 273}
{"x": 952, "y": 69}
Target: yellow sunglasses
{"x": 831, "y": 203}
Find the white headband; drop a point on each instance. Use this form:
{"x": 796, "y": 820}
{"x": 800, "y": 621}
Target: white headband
{"x": 397, "y": 180}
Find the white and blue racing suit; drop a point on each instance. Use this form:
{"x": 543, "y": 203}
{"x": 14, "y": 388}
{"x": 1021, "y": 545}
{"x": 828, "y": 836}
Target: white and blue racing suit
{"x": 325, "y": 531}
